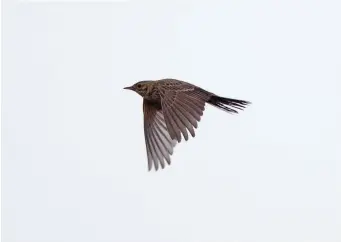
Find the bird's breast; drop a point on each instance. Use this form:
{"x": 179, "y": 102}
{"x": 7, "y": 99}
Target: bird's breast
{"x": 153, "y": 94}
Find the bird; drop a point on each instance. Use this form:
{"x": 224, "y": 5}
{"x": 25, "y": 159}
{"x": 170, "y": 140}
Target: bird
{"x": 172, "y": 109}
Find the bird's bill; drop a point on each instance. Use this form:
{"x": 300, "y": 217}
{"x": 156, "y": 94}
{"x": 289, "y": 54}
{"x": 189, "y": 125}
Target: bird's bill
{"x": 128, "y": 88}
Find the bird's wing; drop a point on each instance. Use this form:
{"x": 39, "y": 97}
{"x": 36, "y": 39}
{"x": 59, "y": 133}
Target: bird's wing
{"x": 159, "y": 144}
{"x": 183, "y": 105}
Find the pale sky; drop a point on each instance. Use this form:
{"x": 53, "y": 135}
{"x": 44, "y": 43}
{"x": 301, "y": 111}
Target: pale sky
{"x": 74, "y": 164}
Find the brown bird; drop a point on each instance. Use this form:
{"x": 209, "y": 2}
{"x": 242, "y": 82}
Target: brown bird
{"x": 173, "y": 108}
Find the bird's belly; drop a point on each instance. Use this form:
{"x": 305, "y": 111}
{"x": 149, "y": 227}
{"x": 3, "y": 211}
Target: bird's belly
{"x": 155, "y": 103}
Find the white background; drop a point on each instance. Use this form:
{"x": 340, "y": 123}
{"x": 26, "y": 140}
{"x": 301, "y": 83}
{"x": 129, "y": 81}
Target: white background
{"x": 74, "y": 165}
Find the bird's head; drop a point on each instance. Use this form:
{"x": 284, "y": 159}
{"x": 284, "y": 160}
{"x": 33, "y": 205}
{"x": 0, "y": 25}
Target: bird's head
{"x": 139, "y": 87}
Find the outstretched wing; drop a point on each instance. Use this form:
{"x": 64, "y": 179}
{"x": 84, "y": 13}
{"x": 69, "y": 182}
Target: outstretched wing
{"x": 183, "y": 105}
{"x": 159, "y": 144}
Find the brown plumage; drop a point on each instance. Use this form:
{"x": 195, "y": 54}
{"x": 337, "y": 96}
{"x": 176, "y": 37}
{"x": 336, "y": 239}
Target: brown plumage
{"x": 172, "y": 108}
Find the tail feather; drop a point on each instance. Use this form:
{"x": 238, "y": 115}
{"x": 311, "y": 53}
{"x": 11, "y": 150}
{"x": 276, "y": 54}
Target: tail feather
{"x": 228, "y": 104}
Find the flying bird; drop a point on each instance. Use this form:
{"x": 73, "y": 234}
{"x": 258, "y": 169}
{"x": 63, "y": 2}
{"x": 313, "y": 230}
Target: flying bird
{"x": 172, "y": 109}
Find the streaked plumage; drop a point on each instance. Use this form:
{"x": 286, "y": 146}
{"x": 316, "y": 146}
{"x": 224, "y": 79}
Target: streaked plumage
{"x": 172, "y": 109}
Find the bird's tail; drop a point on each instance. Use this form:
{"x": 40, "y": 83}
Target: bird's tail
{"x": 228, "y": 104}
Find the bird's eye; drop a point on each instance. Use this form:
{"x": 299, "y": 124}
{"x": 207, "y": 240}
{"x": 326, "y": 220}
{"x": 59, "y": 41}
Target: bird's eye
{"x": 139, "y": 85}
